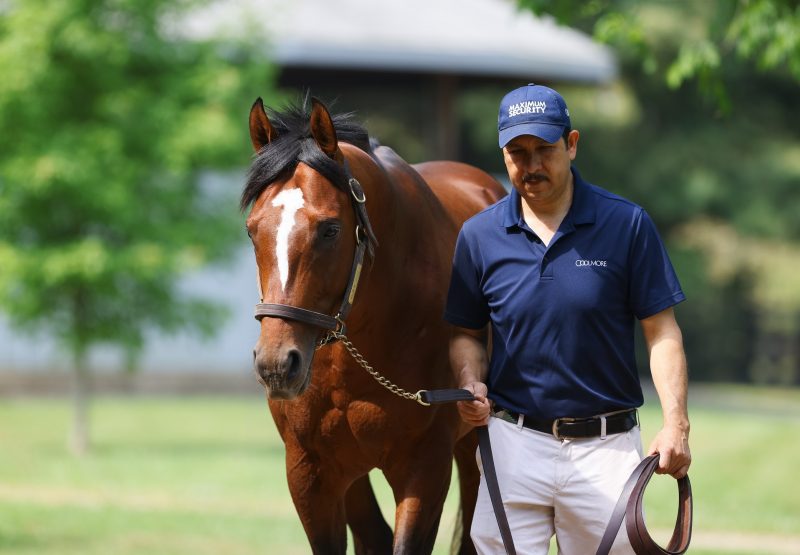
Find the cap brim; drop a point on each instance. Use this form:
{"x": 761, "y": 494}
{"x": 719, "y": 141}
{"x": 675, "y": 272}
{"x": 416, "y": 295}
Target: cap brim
{"x": 545, "y": 131}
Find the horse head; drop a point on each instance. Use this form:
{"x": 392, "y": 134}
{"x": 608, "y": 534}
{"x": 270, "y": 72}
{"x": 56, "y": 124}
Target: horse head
{"x": 305, "y": 233}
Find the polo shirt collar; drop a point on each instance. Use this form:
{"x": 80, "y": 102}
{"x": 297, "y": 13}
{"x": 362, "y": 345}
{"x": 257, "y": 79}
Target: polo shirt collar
{"x": 582, "y": 211}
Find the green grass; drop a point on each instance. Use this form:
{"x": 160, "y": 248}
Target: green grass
{"x": 195, "y": 475}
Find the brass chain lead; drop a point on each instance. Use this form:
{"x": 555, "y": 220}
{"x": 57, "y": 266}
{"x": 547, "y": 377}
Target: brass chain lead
{"x": 397, "y": 390}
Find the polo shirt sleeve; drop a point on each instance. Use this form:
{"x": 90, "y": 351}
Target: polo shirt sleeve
{"x": 654, "y": 285}
{"x": 466, "y": 306}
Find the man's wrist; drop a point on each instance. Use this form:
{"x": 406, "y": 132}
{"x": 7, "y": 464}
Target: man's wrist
{"x": 467, "y": 376}
{"x": 681, "y": 424}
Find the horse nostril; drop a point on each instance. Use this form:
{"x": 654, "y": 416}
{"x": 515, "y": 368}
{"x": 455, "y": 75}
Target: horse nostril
{"x": 292, "y": 364}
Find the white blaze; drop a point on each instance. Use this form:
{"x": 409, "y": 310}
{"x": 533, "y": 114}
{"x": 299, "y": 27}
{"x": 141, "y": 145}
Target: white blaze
{"x": 291, "y": 200}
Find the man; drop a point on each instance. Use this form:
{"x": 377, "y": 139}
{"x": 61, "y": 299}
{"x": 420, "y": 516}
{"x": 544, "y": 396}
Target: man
{"x": 561, "y": 269}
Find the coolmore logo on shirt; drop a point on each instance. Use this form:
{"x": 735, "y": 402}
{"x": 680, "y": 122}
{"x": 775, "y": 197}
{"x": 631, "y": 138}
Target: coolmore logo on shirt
{"x": 600, "y": 263}
{"x": 527, "y": 107}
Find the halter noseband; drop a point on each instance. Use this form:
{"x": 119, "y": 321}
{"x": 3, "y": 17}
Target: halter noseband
{"x": 335, "y": 324}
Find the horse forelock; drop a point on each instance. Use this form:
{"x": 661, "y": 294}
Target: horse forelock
{"x": 294, "y": 144}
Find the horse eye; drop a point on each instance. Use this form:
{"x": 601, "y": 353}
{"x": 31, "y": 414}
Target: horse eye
{"x": 328, "y": 230}
{"x": 332, "y": 231}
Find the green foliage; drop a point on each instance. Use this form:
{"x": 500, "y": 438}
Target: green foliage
{"x": 768, "y": 31}
{"x": 711, "y": 36}
{"x": 687, "y": 166}
{"x": 109, "y": 117}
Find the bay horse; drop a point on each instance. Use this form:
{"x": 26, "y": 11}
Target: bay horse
{"x": 333, "y": 215}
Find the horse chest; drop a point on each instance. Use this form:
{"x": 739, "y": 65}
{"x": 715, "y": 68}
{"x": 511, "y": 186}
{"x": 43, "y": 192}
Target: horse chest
{"x": 367, "y": 421}
{"x": 361, "y": 421}
{"x": 355, "y": 420}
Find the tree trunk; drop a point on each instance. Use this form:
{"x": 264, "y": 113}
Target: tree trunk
{"x": 81, "y": 391}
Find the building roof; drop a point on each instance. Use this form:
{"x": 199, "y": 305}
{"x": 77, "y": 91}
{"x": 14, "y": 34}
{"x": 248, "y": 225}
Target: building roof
{"x": 491, "y": 38}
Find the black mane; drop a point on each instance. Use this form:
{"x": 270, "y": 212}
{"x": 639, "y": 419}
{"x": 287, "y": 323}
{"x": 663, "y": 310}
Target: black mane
{"x": 295, "y": 144}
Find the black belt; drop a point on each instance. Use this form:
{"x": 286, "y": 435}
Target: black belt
{"x": 575, "y": 428}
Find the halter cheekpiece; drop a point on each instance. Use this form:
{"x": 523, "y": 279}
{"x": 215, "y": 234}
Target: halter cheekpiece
{"x": 334, "y": 324}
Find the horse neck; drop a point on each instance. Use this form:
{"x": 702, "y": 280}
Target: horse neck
{"x": 399, "y": 204}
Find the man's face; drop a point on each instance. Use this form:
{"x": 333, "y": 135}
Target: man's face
{"x": 539, "y": 170}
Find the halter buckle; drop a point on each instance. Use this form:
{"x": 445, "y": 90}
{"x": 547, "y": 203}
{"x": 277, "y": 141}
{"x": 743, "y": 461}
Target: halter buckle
{"x": 357, "y": 191}
{"x": 333, "y": 335}
{"x": 361, "y": 235}
{"x": 342, "y": 327}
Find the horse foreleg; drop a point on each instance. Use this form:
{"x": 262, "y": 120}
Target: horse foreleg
{"x": 469, "y": 478}
{"x": 420, "y": 488}
{"x": 319, "y": 500}
{"x": 371, "y": 534}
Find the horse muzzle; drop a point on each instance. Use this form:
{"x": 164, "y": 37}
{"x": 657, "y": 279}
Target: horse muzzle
{"x": 285, "y": 374}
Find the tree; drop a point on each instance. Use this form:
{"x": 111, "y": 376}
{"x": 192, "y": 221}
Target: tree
{"x": 709, "y": 147}
{"x": 713, "y": 35}
{"x": 108, "y": 118}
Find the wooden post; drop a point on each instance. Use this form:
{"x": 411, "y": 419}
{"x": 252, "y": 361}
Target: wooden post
{"x": 447, "y": 140}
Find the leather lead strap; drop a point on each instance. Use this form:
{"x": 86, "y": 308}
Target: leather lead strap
{"x": 489, "y": 472}
{"x": 490, "y": 475}
{"x": 435, "y": 396}
{"x": 630, "y": 505}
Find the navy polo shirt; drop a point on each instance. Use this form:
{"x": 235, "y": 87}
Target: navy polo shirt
{"x": 562, "y": 315}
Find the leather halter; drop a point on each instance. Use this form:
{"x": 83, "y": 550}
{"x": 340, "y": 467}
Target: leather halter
{"x": 364, "y": 236}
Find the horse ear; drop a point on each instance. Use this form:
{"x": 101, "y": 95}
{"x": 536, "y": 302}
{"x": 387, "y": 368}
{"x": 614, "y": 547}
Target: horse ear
{"x": 322, "y": 128}
{"x": 261, "y": 130}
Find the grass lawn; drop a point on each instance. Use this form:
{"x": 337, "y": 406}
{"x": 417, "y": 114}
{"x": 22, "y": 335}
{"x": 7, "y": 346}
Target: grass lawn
{"x": 201, "y": 476}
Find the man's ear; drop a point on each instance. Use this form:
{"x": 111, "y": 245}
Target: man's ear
{"x": 572, "y": 143}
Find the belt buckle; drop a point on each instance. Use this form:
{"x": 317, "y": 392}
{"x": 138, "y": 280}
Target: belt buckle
{"x": 558, "y": 421}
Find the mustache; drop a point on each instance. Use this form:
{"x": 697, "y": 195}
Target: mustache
{"x": 534, "y": 177}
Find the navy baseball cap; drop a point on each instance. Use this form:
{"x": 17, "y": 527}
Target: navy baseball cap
{"x": 532, "y": 110}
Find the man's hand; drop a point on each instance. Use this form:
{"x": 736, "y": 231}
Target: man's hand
{"x": 468, "y": 357}
{"x": 672, "y": 446}
{"x": 475, "y": 413}
{"x": 670, "y": 377}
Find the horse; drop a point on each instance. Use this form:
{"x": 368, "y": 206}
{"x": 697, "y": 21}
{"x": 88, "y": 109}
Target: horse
{"x": 349, "y": 237}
